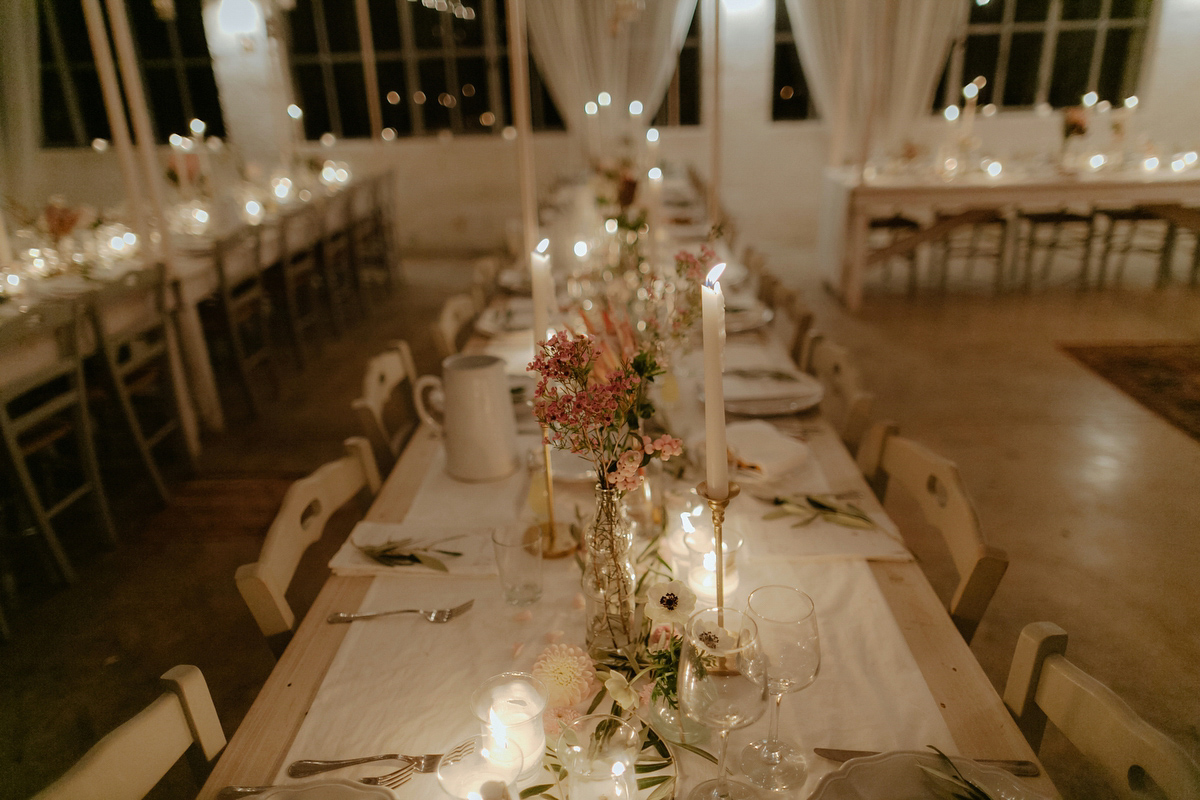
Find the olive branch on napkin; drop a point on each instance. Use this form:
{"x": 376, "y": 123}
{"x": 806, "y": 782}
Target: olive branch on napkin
{"x": 949, "y": 783}
{"x": 407, "y": 551}
{"x": 824, "y": 506}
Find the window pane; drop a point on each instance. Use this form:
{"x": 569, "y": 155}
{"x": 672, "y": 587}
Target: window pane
{"x": 204, "y": 99}
{"x": 472, "y": 93}
{"x": 149, "y": 31}
{"x": 385, "y": 25}
{"x": 987, "y": 10}
{"x": 190, "y": 25}
{"x": 56, "y": 124}
{"x": 312, "y": 99}
{"x": 427, "y": 28}
{"x": 468, "y": 32}
{"x": 45, "y": 53}
{"x": 392, "y": 86}
{"x": 163, "y": 93}
{"x": 790, "y": 99}
{"x": 1072, "y": 60}
{"x": 1129, "y": 9}
{"x": 352, "y": 100}
{"x": 1031, "y": 10}
{"x": 783, "y": 23}
{"x": 304, "y": 36}
{"x": 433, "y": 84}
{"x": 689, "y": 85}
{"x": 1080, "y": 9}
{"x": 982, "y": 53}
{"x": 73, "y": 29}
{"x": 939, "y": 94}
{"x": 1118, "y": 75}
{"x": 91, "y": 103}
{"x": 342, "y": 24}
{"x": 1020, "y": 88}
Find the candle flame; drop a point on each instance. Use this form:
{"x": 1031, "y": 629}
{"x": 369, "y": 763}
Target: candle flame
{"x": 714, "y": 275}
{"x": 710, "y": 562}
{"x": 688, "y": 527}
{"x": 498, "y": 729}
{"x": 543, "y": 245}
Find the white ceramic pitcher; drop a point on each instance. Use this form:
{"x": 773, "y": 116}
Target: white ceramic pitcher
{"x": 477, "y": 425}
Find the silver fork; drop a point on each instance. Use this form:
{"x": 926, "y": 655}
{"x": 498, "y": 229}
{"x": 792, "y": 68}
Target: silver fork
{"x": 434, "y": 615}
{"x": 426, "y": 763}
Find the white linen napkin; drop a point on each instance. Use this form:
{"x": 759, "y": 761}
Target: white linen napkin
{"x": 475, "y": 544}
{"x": 765, "y": 449}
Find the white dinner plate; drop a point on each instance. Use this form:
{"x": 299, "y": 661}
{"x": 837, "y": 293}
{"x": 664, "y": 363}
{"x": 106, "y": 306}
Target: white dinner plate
{"x": 897, "y": 776}
{"x": 514, "y": 315}
{"x": 769, "y": 392}
{"x": 746, "y": 315}
{"x": 516, "y": 281}
{"x": 329, "y": 789}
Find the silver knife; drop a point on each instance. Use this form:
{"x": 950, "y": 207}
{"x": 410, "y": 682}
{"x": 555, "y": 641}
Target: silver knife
{"x": 1025, "y": 769}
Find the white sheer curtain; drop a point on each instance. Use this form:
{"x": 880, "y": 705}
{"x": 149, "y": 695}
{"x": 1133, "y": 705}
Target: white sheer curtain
{"x": 585, "y": 47}
{"x": 20, "y": 101}
{"x": 897, "y": 51}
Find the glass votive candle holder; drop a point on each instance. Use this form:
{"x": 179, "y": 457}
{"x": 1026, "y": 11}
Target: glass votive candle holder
{"x": 598, "y": 752}
{"x": 487, "y": 771}
{"x": 702, "y": 568}
{"x": 509, "y": 708}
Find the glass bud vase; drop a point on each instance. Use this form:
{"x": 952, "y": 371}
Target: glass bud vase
{"x": 608, "y": 576}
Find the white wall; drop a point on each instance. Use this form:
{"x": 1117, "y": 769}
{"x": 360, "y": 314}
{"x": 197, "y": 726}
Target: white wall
{"x": 456, "y": 194}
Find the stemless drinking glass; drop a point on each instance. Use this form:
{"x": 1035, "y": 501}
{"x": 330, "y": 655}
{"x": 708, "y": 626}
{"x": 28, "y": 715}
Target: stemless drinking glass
{"x": 488, "y": 771}
{"x": 722, "y": 684}
{"x": 599, "y": 752}
{"x": 787, "y": 637}
{"x": 519, "y": 561}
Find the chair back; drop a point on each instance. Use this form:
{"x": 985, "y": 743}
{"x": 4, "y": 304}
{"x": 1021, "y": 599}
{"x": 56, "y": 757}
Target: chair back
{"x": 238, "y": 257}
{"x": 133, "y": 312}
{"x": 1138, "y": 761}
{"x": 307, "y": 506}
{"x": 793, "y": 321}
{"x": 128, "y": 762}
{"x": 847, "y": 405}
{"x": 385, "y": 372}
{"x": 483, "y": 281}
{"x": 299, "y": 236}
{"x": 889, "y": 459}
{"x": 456, "y": 314}
{"x": 52, "y": 328}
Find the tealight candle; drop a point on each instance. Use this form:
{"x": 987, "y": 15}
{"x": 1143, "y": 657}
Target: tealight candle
{"x": 509, "y": 708}
{"x": 702, "y": 572}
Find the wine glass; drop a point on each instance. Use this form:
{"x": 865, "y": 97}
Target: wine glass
{"x": 722, "y": 684}
{"x": 787, "y": 636}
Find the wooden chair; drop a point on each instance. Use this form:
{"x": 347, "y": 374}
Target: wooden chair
{"x": 296, "y": 280}
{"x": 307, "y": 506}
{"x": 887, "y": 230}
{"x": 1061, "y": 225}
{"x": 846, "y": 403}
{"x": 454, "y": 318}
{"x": 128, "y": 762}
{"x": 793, "y": 321}
{"x": 886, "y": 458}
{"x": 344, "y": 293}
{"x": 385, "y": 373}
{"x": 483, "y": 281}
{"x": 1138, "y": 760}
{"x": 139, "y": 362}
{"x": 373, "y": 235}
{"x": 237, "y": 314}
{"x": 985, "y": 239}
{"x": 1133, "y": 220}
{"x": 43, "y": 408}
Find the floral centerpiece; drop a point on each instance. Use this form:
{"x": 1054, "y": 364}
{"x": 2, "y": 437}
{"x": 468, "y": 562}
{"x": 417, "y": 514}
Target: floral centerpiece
{"x": 594, "y": 403}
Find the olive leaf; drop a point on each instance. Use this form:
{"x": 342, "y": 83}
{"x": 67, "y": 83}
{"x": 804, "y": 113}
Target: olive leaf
{"x": 405, "y": 552}
{"x": 811, "y": 506}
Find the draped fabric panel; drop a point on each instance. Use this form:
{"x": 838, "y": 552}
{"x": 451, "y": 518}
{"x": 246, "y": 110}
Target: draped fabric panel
{"x": 20, "y": 100}
{"x": 585, "y": 47}
{"x": 897, "y": 51}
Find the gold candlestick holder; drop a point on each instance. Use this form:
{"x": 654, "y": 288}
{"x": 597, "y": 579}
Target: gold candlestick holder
{"x": 554, "y": 545}
{"x": 718, "y": 519}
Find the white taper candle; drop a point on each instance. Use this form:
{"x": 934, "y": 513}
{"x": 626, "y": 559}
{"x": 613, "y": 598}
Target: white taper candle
{"x": 542, "y": 283}
{"x": 714, "y": 392}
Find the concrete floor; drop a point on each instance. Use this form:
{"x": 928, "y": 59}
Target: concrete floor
{"x": 1093, "y": 497}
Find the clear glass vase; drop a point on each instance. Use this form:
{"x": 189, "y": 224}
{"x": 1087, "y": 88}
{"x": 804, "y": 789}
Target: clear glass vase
{"x": 673, "y": 725}
{"x": 608, "y": 576}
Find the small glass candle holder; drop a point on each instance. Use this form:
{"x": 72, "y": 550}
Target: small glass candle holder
{"x": 702, "y": 569}
{"x": 598, "y": 751}
{"x": 487, "y": 771}
{"x": 509, "y": 707}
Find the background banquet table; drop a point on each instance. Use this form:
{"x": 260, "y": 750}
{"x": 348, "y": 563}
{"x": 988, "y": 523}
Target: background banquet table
{"x": 848, "y": 204}
{"x": 303, "y": 680}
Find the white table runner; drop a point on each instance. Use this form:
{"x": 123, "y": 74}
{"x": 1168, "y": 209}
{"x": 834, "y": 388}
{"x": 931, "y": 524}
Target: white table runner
{"x": 400, "y": 684}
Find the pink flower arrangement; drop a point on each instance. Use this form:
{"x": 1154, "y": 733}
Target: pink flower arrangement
{"x": 691, "y": 269}
{"x": 594, "y": 407}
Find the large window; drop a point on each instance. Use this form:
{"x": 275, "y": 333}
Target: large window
{"x": 1048, "y": 51}
{"x": 790, "y": 99}
{"x": 681, "y": 104}
{"x": 434, "y": 70}
{"x": 176, "y": 72}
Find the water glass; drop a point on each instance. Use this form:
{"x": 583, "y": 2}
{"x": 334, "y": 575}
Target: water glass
{"x": 599, "y": 752}
{"x": 519, "y": 562}
{"x": 488, "y": 772}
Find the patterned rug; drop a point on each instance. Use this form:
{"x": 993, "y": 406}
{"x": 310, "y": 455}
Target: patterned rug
{"x": 1163, "y": 377}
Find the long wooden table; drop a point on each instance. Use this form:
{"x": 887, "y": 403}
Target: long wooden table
{"x": 972, "y": 709}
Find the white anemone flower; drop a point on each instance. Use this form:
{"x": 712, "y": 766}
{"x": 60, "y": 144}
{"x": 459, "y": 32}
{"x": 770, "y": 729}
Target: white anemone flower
{"x": 620, "y": 691}
{"x": 671, "y": 602}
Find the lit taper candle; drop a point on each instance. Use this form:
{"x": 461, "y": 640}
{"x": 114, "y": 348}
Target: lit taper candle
{"x": 542, "y": 283}
{"x": 714, "y": 392}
